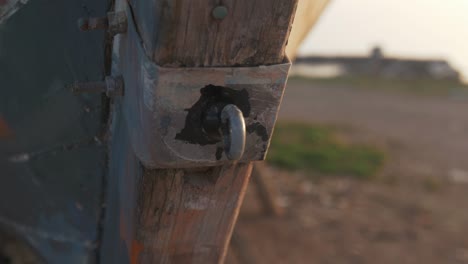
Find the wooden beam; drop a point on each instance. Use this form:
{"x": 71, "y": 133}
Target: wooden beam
{"x": 187, "y": 215}
{"x": 307, "y": 15}
{"x": 183, "y": 33}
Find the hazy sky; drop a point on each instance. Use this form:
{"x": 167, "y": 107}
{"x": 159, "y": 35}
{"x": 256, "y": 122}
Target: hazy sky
{"x": 410, "y": 28}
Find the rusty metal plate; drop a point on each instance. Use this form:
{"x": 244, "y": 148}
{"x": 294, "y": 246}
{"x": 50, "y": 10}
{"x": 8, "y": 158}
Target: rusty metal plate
{"x": 164, "y": 107}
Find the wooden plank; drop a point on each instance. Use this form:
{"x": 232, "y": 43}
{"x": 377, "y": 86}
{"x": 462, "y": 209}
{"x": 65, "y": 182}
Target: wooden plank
{"x": 184, "y": 33}
{"x": 307, "y": 15}
{"x": 187, "y": 215}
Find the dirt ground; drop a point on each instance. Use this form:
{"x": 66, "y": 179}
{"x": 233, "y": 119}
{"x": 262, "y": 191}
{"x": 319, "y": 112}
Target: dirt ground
{"x": 414, "y": 211}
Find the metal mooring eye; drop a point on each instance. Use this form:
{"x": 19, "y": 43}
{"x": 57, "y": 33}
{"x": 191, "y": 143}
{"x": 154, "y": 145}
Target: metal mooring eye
{"x": 233, "y": 131}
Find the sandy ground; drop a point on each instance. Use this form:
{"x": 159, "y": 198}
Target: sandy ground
{"x": 415, "y": 211}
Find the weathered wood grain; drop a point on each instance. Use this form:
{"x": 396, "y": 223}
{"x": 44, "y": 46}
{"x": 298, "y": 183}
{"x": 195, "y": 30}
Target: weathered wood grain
{"x": 184, "y": 33}
{"x": 52, "y": 156}
{"x": 187, "y": 216}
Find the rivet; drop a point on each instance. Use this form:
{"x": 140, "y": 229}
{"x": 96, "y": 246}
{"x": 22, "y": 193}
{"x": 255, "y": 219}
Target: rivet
{"x": 220, "y": 12}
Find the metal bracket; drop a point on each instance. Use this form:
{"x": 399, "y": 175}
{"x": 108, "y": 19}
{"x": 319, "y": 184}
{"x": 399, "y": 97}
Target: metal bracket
{"x": 167, "y": 110}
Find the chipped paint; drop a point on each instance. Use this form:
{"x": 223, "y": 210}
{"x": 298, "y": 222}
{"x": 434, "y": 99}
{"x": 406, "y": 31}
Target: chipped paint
{"x": 9, "y": 8}
{"x": 135, "y": 251}
{"x": 27, "y": 156}
{"x": 52, "y": 163}
{"x": 20, "y": 158}
{"x": 159, "y": 93}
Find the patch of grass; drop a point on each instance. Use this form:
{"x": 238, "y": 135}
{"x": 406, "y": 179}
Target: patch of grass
{"x": 412, "y": 86}
{"x": 297, "y": 146}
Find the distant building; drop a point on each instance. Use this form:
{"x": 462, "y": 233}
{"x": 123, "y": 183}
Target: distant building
{"x": 376, "y": 64}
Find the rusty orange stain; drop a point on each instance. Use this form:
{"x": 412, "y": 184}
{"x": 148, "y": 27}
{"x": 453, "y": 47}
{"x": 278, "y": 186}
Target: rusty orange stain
{"x": 135, "y": 248}
{"x": 5, "y": 131}
{"x": 122, "y": 228}
{"x": 123, "y": 232}
{"x": 135, "y": 251}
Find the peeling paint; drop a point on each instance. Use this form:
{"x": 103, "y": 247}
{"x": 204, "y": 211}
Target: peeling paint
{"x": 53, "y": 166}
{"x": 193, "y": 132}
{"x": 20, "y": 158}
{"x": 135, "y": 251}
{"x": 45, "y": 234}
{"x": 9, "y": 8}
{"x": 161, "y": 92}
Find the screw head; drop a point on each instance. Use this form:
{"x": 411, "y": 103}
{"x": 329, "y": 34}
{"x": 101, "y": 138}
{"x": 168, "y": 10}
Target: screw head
{"x": 220, "y": 12}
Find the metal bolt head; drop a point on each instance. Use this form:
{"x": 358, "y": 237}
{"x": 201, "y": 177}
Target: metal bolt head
{"x": 114, "y": 86}
{"x": 219, "y": 12}
{"x": 92, "y": 23}
{"x": 88, "y": 87}
{"x": 115, "y": 23}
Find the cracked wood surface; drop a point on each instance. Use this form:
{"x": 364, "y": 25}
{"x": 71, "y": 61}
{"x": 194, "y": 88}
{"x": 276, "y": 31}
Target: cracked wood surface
{"x": 307, "y": 15}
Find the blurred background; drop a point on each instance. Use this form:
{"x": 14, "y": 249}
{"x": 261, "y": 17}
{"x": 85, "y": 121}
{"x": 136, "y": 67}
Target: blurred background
{"x": 368, "y": 163}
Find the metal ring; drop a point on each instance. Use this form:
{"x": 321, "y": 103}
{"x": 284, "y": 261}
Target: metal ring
{"x": 233, "y": 130}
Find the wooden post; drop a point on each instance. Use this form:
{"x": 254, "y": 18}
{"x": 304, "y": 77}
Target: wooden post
{"x": 266, "y": 192}
{"x": 307, "y": 15}
{"x": 187, "y": 215}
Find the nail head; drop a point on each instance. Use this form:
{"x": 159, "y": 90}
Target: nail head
{"x": 220, "y": 12}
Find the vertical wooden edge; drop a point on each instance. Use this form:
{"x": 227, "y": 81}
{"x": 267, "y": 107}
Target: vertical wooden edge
{"x": 188, "y": 215}
{"x": 235, "y": 214}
